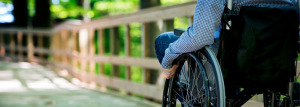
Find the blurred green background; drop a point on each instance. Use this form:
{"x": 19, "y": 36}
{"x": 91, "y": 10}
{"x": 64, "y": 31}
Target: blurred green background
{"x": 62, "y": 10}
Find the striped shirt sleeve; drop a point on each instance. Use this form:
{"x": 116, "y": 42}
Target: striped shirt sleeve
{"x": 207, "y": 19}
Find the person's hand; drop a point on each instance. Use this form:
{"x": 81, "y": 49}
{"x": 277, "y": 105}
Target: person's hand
{"x": 169, "y": 73}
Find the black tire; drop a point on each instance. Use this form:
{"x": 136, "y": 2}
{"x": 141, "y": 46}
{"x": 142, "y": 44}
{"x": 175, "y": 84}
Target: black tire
{"x": 198, "y": 82}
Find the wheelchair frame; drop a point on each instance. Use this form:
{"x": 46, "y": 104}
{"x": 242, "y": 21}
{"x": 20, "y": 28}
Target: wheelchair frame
{"x": 271, "y": 97}
{"x": 247, "y": 94}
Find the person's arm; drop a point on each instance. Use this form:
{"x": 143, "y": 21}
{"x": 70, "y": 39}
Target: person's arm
{"x": 207, "y": 19}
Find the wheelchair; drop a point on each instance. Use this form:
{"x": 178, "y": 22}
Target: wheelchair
{"x": 257, "y": 55}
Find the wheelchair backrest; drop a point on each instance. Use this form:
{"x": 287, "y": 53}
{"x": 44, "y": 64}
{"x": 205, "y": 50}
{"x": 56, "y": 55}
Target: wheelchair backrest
{"x": 260, "y": 48}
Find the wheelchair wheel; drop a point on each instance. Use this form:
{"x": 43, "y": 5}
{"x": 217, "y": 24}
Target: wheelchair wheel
{"x": 198, "y": 82}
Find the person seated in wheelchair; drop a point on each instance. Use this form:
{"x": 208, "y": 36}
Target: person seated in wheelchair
{"x": 207, "y": 27}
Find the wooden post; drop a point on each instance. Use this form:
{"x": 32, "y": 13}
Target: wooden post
{"x": 191, "y": 20}
{"x": 58, "y": 47}
{"x": 69, "y": 47}
{"x": 64, "y": 40}
{"x": 150, "y": 32}
{"x": 12, "y": 45}
{"x": 40, "y": 44}
{"x": 114, "y": 48}
{"x": 168, "y": 25}
{"x": 92, "y": 50}
{"x": 83, "y": 41}
{"x": 20, "y": 43}
{"x": 101, "y": 47}
{"x": 128, "y": 50}
{"x": 75, "y": 44}
{"x": 30, "y": 46}
{"x": 145, "y": 50}
{"x": 2, "y": 48}
{"x": 54, "y": 47}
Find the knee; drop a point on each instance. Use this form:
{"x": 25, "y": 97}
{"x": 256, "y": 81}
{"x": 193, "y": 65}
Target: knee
{"x": 161, "y": 38}
{"x": 164, "y": 37}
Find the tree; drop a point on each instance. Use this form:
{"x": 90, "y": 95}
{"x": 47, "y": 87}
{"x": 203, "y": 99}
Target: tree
{"x": 42, "y": 13}
{"x": 86, "y": 6}
{"x": 20, "y": 13}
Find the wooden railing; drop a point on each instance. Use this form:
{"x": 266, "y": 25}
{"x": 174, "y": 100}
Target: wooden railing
{"x": 72, "y": 47}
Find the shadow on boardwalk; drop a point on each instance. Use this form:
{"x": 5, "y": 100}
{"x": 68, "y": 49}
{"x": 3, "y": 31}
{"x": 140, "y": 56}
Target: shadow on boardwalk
{"x": 26, "y": 85}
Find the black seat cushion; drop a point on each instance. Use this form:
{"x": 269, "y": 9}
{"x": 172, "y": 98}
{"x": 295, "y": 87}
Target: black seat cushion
{"x": 261, "y": 47}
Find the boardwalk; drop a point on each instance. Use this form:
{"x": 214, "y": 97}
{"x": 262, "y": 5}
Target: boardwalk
{"x": 28, "y": 85}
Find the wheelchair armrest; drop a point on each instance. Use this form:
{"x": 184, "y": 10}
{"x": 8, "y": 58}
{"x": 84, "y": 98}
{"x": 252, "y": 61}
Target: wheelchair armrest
{"x": 178, "y": 31}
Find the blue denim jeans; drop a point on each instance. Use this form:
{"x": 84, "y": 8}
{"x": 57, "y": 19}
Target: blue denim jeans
{"x": 162, "y": 43}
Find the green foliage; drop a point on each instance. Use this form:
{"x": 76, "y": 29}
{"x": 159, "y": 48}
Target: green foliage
{"x": 99, "y": 8}
{"x": 113, "y": 7}
{"x": 106, "y": 41}
{"x": 136, "y": 39}
{"x": 62, "y": 12}
{"x": 136, "y": 74}
{"x": 96, "y": 38}
{"x": 122, "y": 40}
{"x": 66, "y": 9}
{"x": 181, "y": 22}
{"x": 122, "y": 72}
{"x": 6, "y": 1}
{"x": 97, "y": 69}
{"x": 107, "y": 69}
{"x": 172, "y": 2}
{"x": 31, "y": 7}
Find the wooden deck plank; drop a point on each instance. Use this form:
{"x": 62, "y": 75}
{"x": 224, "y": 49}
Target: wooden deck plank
{"x": 31, "y": 85}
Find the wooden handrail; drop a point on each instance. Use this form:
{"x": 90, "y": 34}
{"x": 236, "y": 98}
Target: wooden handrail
{"x": 43, "y": 32}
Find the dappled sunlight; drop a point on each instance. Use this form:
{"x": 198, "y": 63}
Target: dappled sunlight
{"x": 63, "y": 83}
{"x": 92, "y": 85}
{"x": 43, "y": 84}
{"x": 30, "y": 75}
{"x": 34, "y": 88}
{"x": 63, "y": 73}
{"x": 50, "y": 74}
{"x": 27, "y": 77}
{"x": 79, "y": 83}
{"x": 24, "y": 65}
{"x": 75, "y": 81}
{"x": 11, "y": 86}
{"x": 6, "y": 75}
